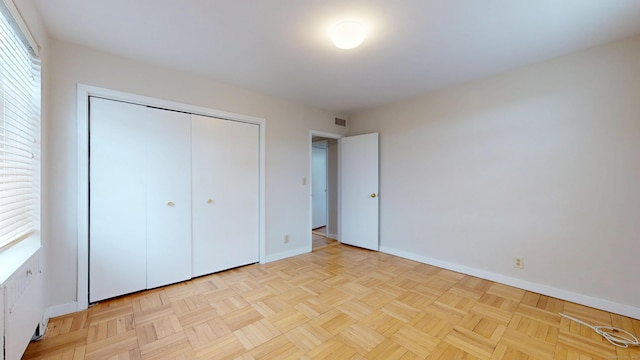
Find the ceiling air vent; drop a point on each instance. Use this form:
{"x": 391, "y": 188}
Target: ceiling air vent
{"x": 341, "y": 122}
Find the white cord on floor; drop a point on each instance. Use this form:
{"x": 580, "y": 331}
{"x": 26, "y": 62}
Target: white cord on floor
{"x": 610, "y": 333}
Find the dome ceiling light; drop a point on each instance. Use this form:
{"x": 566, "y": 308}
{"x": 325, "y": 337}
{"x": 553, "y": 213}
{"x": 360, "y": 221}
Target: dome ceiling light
{"x": 348, "y": 34}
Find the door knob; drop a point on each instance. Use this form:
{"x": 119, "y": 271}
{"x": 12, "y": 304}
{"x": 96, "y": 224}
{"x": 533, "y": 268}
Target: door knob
{"x": 373, "y": 195}
{"x": 170, "y": 203}
{"x": 209, "y": 201}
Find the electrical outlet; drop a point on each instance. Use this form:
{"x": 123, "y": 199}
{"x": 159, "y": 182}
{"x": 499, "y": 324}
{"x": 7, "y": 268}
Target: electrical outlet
{"x": 286, "y": 238}
{"x": 518, "y": 262}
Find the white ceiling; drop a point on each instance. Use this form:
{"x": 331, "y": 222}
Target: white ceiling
{"x": 281, "y": 47}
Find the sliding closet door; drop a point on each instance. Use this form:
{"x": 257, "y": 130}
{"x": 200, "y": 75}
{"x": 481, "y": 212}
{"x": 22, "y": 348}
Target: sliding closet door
{"x": 168, "y": 197}
{"x": 225, "y": 169}
{"x": 117, "y": 199}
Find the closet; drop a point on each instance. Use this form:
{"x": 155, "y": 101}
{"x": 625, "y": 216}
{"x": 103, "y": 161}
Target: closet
{"x": 171, "y": 196}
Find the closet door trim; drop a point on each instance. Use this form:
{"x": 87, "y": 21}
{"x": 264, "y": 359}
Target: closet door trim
{"x": 83, "y": 94}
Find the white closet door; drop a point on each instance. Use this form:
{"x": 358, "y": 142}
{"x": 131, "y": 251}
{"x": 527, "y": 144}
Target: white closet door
{"x": 168, "y": 197}
{"x": 225, "y": 169}
{"x": 117, "y": 199}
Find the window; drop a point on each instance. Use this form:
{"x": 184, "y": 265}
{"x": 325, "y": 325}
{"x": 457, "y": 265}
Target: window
{"x": 19, "y": 134}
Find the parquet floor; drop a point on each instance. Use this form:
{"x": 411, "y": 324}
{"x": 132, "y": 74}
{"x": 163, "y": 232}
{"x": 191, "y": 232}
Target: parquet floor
{"x": 339, "y": 302}
{"x": 320, "y": 240}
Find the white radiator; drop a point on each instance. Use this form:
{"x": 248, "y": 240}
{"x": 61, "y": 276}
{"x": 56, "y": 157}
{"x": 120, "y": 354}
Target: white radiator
{"x": 23, "y": 304}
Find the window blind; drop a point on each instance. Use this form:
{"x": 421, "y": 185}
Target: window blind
{"x": 19, "y": 135}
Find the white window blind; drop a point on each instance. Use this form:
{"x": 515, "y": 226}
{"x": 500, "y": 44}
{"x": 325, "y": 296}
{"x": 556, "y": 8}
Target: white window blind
{"x": 19, "y": 135}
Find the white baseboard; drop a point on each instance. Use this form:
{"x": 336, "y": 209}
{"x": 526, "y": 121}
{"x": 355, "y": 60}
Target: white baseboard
{"x": 286, "y": 254}
{"x": 333, "y": 236}
{"x": 59, "y": 310}
{"x": 606, "y": 305}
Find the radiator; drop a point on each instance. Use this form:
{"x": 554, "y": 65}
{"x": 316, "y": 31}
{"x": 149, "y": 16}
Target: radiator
{"x": 23, "y": 306}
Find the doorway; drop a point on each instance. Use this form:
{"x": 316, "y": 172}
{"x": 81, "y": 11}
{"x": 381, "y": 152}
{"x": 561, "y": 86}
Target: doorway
{"x": 351, "y": 191}
{"x": 324, "y": 190}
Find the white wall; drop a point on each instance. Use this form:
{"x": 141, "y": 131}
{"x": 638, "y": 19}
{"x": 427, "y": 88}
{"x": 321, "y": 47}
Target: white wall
{"x": 287, "y": 132}
{"x": 541, "y": 162}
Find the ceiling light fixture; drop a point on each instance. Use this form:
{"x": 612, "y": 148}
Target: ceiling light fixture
{"x": 348, "y": 34}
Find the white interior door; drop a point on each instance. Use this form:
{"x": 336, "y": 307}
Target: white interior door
{"x": 225, "y": 194}
{"x": 318, "y": 186}
{"x": 117, "y": 199}
{"x": 168, "y": 191}
{"x": 359, "y": 194}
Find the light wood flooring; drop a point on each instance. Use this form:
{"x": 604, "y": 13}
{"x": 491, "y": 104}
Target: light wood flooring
{"x": 338, "y": 302}
{"x": 320, "y": 239}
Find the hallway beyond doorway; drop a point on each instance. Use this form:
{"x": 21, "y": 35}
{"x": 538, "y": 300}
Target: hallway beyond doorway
{"x": 320, "y": 239}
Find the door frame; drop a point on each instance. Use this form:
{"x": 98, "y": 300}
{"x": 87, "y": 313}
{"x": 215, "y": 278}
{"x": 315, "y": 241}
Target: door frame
{"x": 312, "y": 134}
{"x": 83, "y": 94}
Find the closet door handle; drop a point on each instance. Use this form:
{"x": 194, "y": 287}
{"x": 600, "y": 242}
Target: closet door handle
{"x": 209, "y": 201}
{"x": 170, "y": 203}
